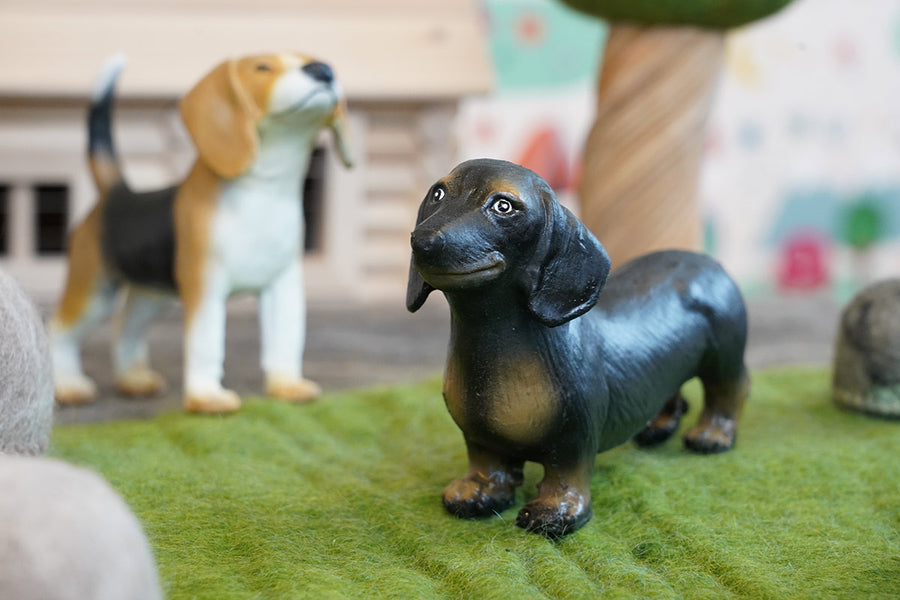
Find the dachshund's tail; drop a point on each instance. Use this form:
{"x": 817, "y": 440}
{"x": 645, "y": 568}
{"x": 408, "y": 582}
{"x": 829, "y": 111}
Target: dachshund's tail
{"x": 101, "y": 151}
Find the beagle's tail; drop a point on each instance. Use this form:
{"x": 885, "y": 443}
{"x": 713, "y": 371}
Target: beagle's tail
{"x": 101, "y": 150}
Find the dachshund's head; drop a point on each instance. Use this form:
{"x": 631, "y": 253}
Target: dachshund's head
{"x": 222, "y": 112}
{"x": 491, "y": 222}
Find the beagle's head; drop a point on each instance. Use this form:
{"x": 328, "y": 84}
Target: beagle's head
{"x": 223, "y": 110}
{"x": 495, "y": 223}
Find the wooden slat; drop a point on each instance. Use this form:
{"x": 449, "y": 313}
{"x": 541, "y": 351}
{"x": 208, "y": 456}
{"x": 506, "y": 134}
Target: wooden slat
{"x": 391, "y": 178}
{"x": 56, "y": 52}
{"x": 396, "y": 217}
{"x": 394, "y": 142}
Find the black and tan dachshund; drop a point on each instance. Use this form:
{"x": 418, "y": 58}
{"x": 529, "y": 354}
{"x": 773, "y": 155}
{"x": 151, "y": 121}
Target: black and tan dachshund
{"x": 544, "y": 367}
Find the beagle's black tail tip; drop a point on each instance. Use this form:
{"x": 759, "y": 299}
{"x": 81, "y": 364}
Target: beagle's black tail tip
{"x": 101, "y": 149}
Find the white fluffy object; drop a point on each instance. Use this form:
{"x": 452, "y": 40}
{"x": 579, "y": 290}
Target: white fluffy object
{"x": 26, "y": 379}
{"x": 66, "y": 535}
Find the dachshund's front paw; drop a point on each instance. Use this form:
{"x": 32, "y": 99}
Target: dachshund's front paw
{"x": 715, "y": 435}
{"x": 556, "y": 516}
{"x": 478, "y": 496}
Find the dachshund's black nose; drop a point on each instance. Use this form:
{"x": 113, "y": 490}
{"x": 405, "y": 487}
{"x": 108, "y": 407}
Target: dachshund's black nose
{"x": 426, "y": 242}
{"x": 319, "y": 71}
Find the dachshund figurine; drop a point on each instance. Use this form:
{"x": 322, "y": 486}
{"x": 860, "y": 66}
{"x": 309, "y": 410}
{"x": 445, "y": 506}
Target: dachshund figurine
{"x": 233, "y": 225}
{"x": 543, "y": 367}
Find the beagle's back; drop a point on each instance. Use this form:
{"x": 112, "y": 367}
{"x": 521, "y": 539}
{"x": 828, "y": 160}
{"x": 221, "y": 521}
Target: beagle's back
{"x": 138, "y": 236}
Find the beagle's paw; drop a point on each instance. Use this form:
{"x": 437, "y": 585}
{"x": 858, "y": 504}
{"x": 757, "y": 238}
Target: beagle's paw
{"x": 477, "y": 496}
{"x": 140, "y": 380}
{"x": 292, "y": 389}
{"x": 77, "y": 389}
{"x": 716, "y": 435}
{"x": 557, "y": 515}
{"x": 212, "y": 403}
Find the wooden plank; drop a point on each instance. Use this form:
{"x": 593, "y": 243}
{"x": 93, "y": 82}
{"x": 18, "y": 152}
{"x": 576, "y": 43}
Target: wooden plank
{"x": 396, "y": 217}
{"x": 432, "y": 8}
{"x": 400, "y": 142}
{"x": 57, "y": 53}
{"x": 393, "y": 178}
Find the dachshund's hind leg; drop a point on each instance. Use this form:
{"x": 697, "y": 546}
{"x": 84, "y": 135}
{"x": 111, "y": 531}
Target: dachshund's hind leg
{"x": 664, "y": 424}
{"x": 722, "y": 404}
{"x": 488, "y": 487}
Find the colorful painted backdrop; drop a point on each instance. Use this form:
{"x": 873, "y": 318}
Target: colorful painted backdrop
{"x": 801, "y": 182}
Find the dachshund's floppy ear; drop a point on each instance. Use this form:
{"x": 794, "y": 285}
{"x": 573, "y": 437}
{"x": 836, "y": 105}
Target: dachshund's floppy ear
{"x": 417, "y": 289}
{"x": 221, "y": 118}
{"x": 337, "y": 122}
{"x": 569, "y": 268}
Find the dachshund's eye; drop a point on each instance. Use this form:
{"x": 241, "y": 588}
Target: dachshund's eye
{"x": 437, "y": 194}
{"x": 503, "y": 207}
{"x": 263, "y": 68}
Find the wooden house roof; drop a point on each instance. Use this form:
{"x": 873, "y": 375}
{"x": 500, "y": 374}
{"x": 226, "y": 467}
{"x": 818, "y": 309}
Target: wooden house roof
{"x": 380, "y": 49}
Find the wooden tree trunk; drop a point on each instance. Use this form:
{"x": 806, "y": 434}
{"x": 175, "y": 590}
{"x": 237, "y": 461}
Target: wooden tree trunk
{"x": 642, "y": 157}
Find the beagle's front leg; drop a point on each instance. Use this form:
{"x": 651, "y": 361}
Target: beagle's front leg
{"x": 282, "y": 315}
{"x": 204, "y": 347}
{"x": 488, "y": 488}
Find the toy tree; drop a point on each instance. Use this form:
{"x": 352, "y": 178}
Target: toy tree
{"x": 642, "y": 157}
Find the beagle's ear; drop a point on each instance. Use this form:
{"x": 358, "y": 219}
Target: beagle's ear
{"x": 568, "y": 270}
{"x": 221, "y": 118}
{"x": 338, "y": 125}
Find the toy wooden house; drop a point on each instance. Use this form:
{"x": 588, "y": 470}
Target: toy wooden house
{"x": 404, "y": 64}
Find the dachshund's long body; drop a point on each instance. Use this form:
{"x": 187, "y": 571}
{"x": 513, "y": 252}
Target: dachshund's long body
{"x": 541, "y": 365}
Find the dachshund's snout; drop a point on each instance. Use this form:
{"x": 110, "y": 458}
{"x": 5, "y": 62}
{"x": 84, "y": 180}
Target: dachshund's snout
{"x": 319, "y": 71}
{"x": 426, "y": 243}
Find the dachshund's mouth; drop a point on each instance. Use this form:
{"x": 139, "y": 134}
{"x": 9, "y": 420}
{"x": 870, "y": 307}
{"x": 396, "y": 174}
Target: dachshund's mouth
{"x": 466, "y": 276}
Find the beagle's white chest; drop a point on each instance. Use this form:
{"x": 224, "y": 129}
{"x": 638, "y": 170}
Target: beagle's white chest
{"x": 257, "y": 230}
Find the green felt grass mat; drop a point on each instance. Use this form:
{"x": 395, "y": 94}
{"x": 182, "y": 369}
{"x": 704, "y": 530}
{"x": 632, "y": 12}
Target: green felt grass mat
{"x": 340, "y": 499}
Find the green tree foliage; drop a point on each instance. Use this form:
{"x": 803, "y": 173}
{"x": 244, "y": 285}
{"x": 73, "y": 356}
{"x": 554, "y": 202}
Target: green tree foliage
{"x": 713, "y": 14}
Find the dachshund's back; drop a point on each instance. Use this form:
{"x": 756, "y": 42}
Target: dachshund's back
{"x": 664, "y": 318}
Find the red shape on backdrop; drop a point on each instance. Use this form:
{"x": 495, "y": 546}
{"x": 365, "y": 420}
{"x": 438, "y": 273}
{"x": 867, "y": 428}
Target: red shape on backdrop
{"x": 530, "y": 29}
{"x": 845, "y": 52}
{"x": 485, "y": 130}
{"x": 543, "y": 154}
{"x": 803, "y": 264}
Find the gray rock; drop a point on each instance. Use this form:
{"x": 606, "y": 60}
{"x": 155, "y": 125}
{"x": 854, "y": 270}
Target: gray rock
{"x": 866, "y": 373}
{"x": 66, "y": 535}
{"x": 26, "y": 381}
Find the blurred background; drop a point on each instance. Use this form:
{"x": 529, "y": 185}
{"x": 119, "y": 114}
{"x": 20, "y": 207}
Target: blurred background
{"x": 799, "y": 183}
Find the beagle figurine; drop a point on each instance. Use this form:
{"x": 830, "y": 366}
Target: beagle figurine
{"x": 546, "y": 367}
{"x": 233, "y": 225}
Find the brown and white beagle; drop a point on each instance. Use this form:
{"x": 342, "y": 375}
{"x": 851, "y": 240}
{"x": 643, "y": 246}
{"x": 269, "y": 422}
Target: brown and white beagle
{"x": 233, "y": 225}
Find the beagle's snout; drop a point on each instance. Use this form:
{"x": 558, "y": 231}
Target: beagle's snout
{"x": 319, "y": 71}
{"x": 426, "y": 243}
